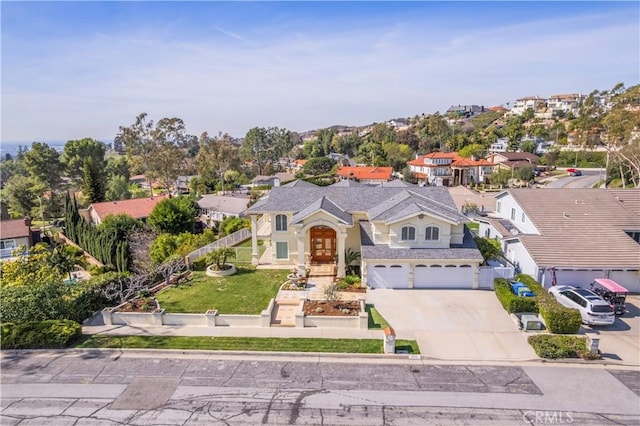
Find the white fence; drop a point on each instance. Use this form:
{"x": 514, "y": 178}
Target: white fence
{"x": 228, "y": 241}
{"x": 490, "y": 273}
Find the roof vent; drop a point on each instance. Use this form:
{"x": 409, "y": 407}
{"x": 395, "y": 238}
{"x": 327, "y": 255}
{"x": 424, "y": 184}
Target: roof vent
{"x": 565, "y": 215}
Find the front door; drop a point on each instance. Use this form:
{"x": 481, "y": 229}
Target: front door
{"x": 323, "y": 244}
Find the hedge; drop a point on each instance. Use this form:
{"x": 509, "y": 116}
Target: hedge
{"x": 40, "y": 334}
{"x": 510, "y": 301}
{"x": 550, "y": 346}
{"x": 557, "y": 318}
{"x": 200, "y": 264}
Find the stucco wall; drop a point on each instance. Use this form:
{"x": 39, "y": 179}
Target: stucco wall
{"x": 395, "y": 233}
{"x": 505, "y": 204}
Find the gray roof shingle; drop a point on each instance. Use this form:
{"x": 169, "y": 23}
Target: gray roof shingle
{"x": 326, "y": 205}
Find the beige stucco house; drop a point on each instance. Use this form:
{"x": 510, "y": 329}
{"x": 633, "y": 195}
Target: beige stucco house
{"x": 408, "y": 236}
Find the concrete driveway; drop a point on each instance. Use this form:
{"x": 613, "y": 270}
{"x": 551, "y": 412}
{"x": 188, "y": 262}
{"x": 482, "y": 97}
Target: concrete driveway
{"x": 620, "y": 341}
{"x": 453, "y": 324}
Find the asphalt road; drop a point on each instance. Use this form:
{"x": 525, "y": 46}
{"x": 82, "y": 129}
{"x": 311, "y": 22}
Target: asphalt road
{"x": 589, "y": 178}
{"x": 200, "y": 388}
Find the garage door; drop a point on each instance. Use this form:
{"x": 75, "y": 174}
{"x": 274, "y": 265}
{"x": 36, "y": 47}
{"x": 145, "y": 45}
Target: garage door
{"x": 628, "y": 279}
{"x": 443, "y": 276}
{"x": 388, "y": 276}
{"x": 578, "y": 278}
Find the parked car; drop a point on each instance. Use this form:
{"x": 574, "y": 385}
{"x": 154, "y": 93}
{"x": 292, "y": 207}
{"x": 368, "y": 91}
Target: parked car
{"x": 593, "y": 309}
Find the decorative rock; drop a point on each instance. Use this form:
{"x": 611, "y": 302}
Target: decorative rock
{"x": 319, "y": 310}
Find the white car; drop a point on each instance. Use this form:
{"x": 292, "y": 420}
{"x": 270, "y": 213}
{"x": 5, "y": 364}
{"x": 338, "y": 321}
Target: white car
{"x": 593, "y": 309}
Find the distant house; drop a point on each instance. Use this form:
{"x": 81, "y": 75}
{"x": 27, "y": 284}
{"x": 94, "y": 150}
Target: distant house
{"x": 366, "y": 174}
{"x": 466, "y": 111}
{"x": 216, "y": 208}
{"x": 448, "y": 169}
{"x": 298, "y": 165}
{"x": 499, "y": 145}
{"x": 528, "y": 102}
{"x": 137, "y": 208}
{"x": 141, "y": 180}
{"x": 13, "y": 234}
{"x": 341, "y": 159}
{"x": 565, "y": 103}
{"x": 182, "y": 183}
{"x": 513, "y": 160}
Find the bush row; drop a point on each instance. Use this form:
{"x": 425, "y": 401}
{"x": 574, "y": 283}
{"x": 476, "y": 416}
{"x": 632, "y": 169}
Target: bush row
{"x": 557, "y": 318}
{"x": 510, "y": 301}
{"x": 550, "y": 346}
{"x": 39, "y": 334}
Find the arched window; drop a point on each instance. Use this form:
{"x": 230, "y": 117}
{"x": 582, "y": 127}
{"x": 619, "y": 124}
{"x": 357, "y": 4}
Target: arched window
{"x": 408, "y": 233}
{"x": 432, "y": 233}
{"x": 281, "y": 222}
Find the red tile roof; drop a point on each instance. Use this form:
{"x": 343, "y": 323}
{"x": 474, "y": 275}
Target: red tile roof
{"x": 370, "y": 173}
{"x": 468, "y": 162}
{"x": 13, "y": 229}
{"x": 138, "y": 208}
{"x": 457, "y": 161}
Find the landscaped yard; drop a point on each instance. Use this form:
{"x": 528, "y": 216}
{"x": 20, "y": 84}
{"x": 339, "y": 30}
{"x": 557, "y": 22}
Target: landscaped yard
{"x": 373, "y": 346}
{"x": 243, "y": 252}
{"x": 246, "y": 292}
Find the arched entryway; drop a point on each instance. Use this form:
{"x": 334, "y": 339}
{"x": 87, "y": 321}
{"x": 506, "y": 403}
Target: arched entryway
{"x": 323, "y": 244}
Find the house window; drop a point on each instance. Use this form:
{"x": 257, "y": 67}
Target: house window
{"x": 432, "y": 233}
{"x": 282, "y": 250}
{"x": 281, "y": 222}
{"x": 513, "y": 214}
{"x": 408, "y": 233}
{"x": 522, "y": 217}
{"x": 7, "y": 244}
{"x": 498, "y": 205}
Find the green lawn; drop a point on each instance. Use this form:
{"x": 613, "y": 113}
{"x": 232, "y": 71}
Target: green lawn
{"x": 246, "y": 292}
{"x": 373, "y": 346}
{"x": 376, "y": 321}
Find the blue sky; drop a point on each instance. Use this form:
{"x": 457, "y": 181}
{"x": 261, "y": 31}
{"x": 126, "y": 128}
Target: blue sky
{"x": 82, "y": 69}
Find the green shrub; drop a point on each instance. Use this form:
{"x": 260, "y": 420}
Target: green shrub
{"x": 512, "y": 303}
{"x": 352, "y": 279}
{"x": 40, "y": 334}
{"x": 342, "y": 285}
{"x": 557, "y": 318}
{"x": 200, "y": 264}
{"x": 553, "y": 347}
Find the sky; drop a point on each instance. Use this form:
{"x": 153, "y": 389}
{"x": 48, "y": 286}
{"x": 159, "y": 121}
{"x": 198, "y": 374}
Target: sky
{"x": 83, "y": 69}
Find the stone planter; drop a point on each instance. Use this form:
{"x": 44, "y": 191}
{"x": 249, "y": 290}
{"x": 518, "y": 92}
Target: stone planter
{"x": 225, "y": 273}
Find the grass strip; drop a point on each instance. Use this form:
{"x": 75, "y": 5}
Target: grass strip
{"x": 361, "y": 346}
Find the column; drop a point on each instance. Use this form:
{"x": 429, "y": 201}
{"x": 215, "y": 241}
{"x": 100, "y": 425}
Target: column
{"x": 300, "y": 241}
{"x": 254, "y": 240}
{"x": 476, "y": 274}
{"x": 342, "y": 236}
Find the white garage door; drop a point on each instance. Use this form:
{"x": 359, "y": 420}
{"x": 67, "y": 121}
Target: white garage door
{"x": 388, "y": 276}
{"x": 443, "y": 276}
{"x": 628, "y": 279}
{"x": 578, "y": 278}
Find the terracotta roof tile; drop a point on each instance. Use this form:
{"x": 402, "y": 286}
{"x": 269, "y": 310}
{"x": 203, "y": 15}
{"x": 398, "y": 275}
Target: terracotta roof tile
{"x": 138, "y": 208}
{"x": 361, "y": 173}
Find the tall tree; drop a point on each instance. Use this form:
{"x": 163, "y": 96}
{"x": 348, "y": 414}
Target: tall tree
{"x": 93, "y": 183}
{"x": 174, "y": 215}
{"x": 76, "y": 152}
{"x": 43, "y": 163}
{"x": 215, "y": 156}
{"x": 156, "y": 146}
{"x": 21, "y": 193}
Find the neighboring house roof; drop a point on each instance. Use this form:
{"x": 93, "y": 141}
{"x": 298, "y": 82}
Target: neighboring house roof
{"x": 366, "y": 173}
{"x": 514, "y": 164}
{"x": 628, "y": 198}
{"x": 579, "y": 227}
{"x": 224, "y": 204}
{"x": 137, "y": 208}
{"x": 470, "y": 162}
{"x": 370, "y": 251}
{"x": 502, "y": 157}
{"x": 456, "y": 160}
{"x": 285, "y": 177}
{"x": 301, "y": 184}
{"x": 464, "y": 196}
{"x": 262, "y": 179}
{"x": 10, "y": 229}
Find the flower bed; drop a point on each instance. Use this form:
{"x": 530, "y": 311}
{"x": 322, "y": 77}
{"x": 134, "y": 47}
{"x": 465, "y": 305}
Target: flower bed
{"x": 331, "y": 308}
